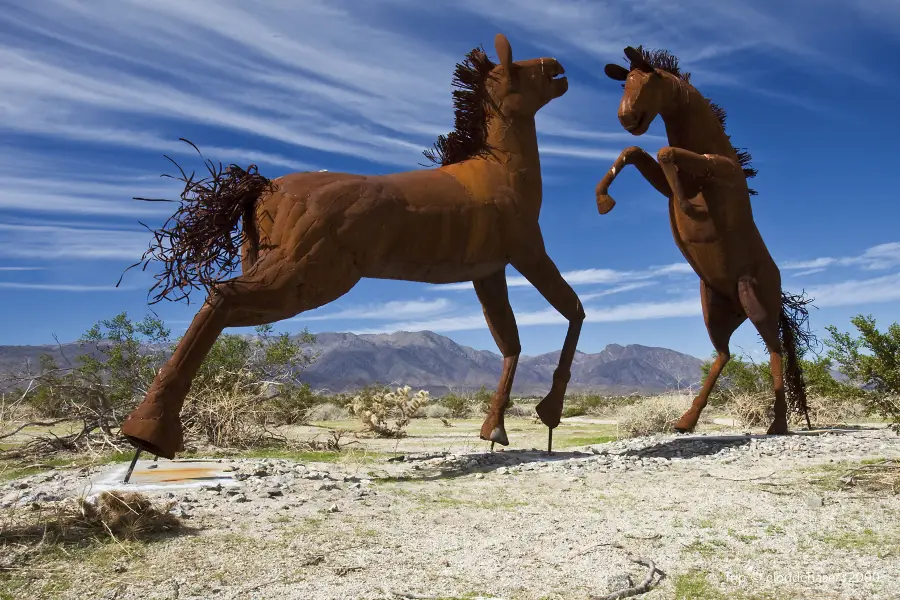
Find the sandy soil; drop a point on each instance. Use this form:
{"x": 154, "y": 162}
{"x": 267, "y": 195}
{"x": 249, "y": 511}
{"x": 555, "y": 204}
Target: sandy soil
{"x": 721, "y": 517}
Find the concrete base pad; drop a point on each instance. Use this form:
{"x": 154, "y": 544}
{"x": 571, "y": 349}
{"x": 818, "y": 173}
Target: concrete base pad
{"x": 163, "y": 475}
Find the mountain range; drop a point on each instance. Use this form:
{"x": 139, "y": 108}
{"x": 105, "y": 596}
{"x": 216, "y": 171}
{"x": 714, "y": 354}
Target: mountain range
{"x": 427, "y": 360}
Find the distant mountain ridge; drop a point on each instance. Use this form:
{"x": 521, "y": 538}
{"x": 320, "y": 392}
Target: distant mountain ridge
{"x": 427, "y": 360}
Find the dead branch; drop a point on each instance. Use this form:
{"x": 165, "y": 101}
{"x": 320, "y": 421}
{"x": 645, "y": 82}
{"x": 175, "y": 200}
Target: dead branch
{"x": 644, "y": 586}
{"x": 742, "y": 479}
{"x": 35, "y": 424}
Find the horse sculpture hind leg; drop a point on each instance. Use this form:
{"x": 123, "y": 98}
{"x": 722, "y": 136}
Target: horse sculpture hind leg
{"x": 721, "y": 322}
{"x": 494, "y": 297}
{"x": 765, "y": 314}
{"x": 540, "y": 271}
{"x": 268, "y": 292}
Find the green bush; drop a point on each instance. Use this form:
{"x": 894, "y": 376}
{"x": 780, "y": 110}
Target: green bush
{"x": 871, "y": 362}
{"x": 103, "y": 388}
{"x": 744, "y": 377}
{"x": 241, "y": 382}
{"x": 585, "y": 403}
{"x": 464, "y": 405}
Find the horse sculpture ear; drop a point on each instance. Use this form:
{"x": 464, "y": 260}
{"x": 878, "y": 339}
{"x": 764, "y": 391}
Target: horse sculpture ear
{"x": 637, "y": 60}
{"x": 504, "y": 53}
{"x": 616, "y": 72}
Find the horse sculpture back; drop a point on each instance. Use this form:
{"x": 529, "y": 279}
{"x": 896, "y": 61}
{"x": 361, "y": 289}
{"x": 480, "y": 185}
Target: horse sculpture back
{"x": 308, "y": 238}
{"x": 705, "y": 178}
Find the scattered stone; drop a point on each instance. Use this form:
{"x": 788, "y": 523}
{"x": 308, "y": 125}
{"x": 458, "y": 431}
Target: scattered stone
{"x": 815, "y": 501}
{"x": 614, "y": 583}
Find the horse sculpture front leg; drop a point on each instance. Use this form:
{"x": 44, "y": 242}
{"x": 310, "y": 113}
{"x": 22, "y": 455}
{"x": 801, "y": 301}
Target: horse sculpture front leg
{"x": 648, "y": 167}
{"x": 542, "y": 274}
{"x": 724, "y": 170}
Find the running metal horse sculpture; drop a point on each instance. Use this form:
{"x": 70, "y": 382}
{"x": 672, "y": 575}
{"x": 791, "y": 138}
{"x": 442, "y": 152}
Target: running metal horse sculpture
{"x": 705, "y": 179}
{"x": 308, "y": 238}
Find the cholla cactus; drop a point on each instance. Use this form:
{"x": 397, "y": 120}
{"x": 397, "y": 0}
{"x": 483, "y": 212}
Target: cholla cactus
{"x": 387, "y": 413}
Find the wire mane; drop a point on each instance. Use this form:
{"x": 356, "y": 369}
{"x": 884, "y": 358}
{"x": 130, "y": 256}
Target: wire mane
{"x": 668, "y": 62}
{"x": 470, "y": 100}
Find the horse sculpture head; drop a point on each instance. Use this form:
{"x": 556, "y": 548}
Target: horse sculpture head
{"x": 647, "y": 90}
{"x": 522, "y": 88}
{"x": 511, "y": 90}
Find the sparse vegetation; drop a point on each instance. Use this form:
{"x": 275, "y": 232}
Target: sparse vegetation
{"x": 386, "y": 413}
{"x": 871, "y": 362}
{"x": 653, "y": 415}
{"x": 243, "y": 388}
{"x": 80, "y": 523}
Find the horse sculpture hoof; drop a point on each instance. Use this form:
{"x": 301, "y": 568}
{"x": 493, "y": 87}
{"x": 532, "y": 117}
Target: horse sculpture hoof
{"x": 149, "y": 428}
{"x": 778, "y": 429}
{"x": 498, "y": 436}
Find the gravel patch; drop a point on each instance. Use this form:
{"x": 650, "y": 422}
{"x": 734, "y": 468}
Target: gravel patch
{"x": 731, "y": 512}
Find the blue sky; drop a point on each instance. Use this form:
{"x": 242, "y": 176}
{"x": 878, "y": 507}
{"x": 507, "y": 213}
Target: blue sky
{"x": 92, "y": 95}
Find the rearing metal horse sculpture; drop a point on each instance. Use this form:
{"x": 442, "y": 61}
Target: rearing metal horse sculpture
{"x": 705, "y": 179}
{"x": 308, "y": 238}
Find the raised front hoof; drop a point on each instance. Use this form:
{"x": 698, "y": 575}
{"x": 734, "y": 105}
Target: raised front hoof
{"x": 154, "y": 434}
{"x": 778, "y": 428}
{"x": 550, "y": 413}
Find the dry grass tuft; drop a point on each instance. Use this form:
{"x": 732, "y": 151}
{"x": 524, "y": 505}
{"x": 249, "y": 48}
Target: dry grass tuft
{"x": 656, "y": 414}
{"x": 116, "y": 516}
{"x": 757, "y": 410}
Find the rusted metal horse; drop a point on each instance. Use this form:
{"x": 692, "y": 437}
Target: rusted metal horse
{"x": 705, "y": 179}
{"x": 308, "y": 238}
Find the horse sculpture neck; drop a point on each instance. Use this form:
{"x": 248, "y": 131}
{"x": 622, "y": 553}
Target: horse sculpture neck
{"x": 513, "y": 145}
{"x": 691, "y": 123}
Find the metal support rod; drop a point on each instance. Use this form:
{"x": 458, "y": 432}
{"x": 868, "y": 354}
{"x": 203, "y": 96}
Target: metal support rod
{"x": 550, "y": 441}
{"x": 134, "y": 460}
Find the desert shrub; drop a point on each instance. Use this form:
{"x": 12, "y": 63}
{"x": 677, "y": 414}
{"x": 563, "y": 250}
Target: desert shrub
{"x": 98, "y": 387}
{"x": 457, "y": 405}
{"x": 585, "y": 403}
{"x": 656, "y": 414}
{"x": 387, "y": 413}
{"x": 519, "y": 408}
{"x": 468, "y": 404}
{"x": 245, "y": 385}
{"x": 741, "y": 377}
{"x": 745, "y": 389}
{"x": 436, "y": 411}
{"x": 241, "y": 385}
{"x": 757, "y": 410}
{"x": 871, "y": 362}
{"x": 327, "y": 411}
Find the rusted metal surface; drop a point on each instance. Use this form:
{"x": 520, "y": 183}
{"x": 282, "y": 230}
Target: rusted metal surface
{"x": 310, "y": 237}
{"x": 705, "y": 177}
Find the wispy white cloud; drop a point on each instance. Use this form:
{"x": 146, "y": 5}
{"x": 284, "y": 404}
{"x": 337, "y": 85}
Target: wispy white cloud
{"x": 639, "y": 311}
{"x": 628, "y": 287}
{"x": 880, "y": 257}
{"x": 387, "y": 310}
{"x": 21, "y": 268}
{"x": 588, "y": 276}
{"x": 856, "y": 291}
{"x": 60, "y": 287}
{"x": 55, "y": 242}
{"x": 707, "y": 32}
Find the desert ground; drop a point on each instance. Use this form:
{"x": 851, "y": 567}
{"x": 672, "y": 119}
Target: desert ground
{"x": 721, "y": 514}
